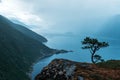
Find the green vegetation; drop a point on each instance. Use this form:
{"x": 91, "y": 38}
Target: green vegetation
{"x": 94, "y": 45}
{"x": 96, "y": 77}
{"x": 18, "y": 51}
{"x": 111, "y": 64}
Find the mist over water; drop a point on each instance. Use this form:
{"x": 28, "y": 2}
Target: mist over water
{"x": 79, "y": 55}
{"x": 65, "y": 23}
{"x": 72, "y": 41}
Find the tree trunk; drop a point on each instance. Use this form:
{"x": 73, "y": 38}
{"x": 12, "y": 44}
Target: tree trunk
{"x": 92, "y": 57}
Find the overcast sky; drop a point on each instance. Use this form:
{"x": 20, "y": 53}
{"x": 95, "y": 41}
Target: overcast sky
{"x": 61, "y": 16}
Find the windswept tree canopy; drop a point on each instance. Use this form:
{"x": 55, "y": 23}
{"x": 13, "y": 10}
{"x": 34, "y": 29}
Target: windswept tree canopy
{"x": 93, "y": 45}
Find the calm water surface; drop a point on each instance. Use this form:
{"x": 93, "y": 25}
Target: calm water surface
{"x": 79, "y": 55}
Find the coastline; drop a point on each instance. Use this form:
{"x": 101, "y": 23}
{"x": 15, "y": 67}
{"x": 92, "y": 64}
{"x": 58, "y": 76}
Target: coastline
{"x": 55, "y": 51}
{"x": 29, "y": 73}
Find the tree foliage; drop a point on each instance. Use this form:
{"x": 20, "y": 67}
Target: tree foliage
{"x": 94, "y": 45}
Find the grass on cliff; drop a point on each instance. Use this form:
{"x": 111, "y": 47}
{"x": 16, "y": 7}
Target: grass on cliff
{"x": 111, "y": 64}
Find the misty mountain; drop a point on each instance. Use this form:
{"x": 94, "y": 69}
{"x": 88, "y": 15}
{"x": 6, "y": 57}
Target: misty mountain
{"x": 19, "y": 48}
{"x": 112, "y": 27}
{"x": 24, "y": 30}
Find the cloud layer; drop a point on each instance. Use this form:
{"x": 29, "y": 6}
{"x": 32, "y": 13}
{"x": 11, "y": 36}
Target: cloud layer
{"x": 61, "y": 16}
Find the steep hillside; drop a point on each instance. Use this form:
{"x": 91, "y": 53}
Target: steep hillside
{"x": 23, "y": 30}
{"x": 19, "y": 48}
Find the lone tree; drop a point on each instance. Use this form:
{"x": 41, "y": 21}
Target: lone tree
{"x": 94, "y": 45}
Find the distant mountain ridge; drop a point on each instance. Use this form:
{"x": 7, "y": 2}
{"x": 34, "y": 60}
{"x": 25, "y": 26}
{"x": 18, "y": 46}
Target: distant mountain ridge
{"x": 19, "y": 48}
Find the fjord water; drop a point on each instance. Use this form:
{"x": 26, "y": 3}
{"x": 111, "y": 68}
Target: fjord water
{"x": 74, "y": 43}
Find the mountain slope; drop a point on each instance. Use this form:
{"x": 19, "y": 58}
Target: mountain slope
{"x": 18, "y": 50}
{"x": 24, "y": 30}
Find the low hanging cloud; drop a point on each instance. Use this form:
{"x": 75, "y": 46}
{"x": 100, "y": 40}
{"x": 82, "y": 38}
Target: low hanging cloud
{"x": 61, "y": 16}
{"x": 17, "y": 10}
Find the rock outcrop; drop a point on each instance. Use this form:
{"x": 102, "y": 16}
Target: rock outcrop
{"x": 60, "y": 69}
